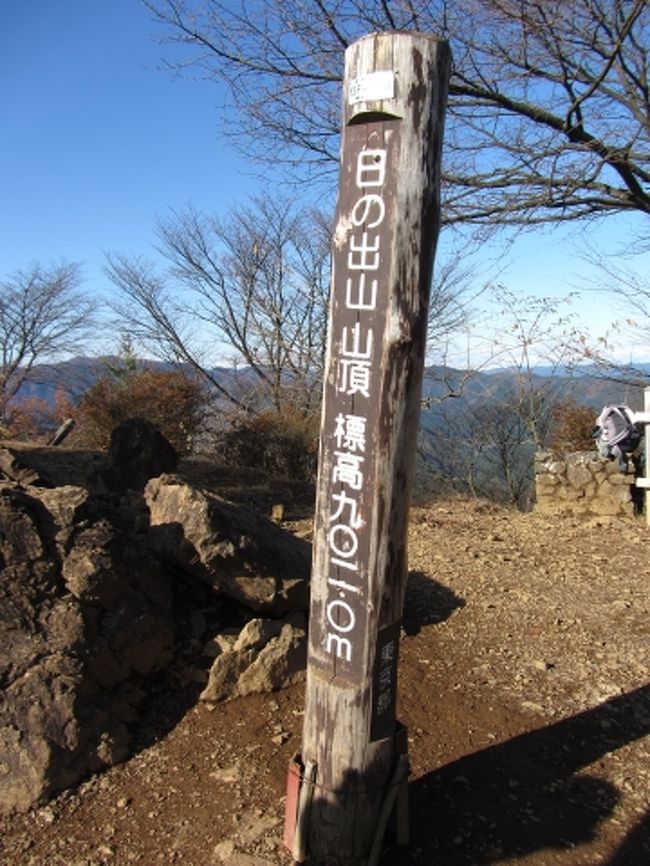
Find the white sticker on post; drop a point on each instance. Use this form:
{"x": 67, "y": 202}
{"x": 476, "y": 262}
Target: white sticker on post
{"x": 372, "y": 87}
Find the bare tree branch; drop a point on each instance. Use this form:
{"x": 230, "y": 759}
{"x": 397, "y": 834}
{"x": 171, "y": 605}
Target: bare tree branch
{"x": 255, "y": 283}
{"x": 549, "y": 111}
{"x": 43, "y": 314}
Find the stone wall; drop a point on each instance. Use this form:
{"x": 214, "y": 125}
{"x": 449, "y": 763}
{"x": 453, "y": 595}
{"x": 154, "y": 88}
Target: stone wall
{"x": 582, "y": 483}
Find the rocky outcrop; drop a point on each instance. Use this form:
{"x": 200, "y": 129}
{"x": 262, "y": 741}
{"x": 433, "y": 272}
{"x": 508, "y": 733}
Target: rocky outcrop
{"x": 582, "y": 483}
{"x": 266, "y": 655}
{"x": 85, "y": 614}
{"x": 231, "y": 548}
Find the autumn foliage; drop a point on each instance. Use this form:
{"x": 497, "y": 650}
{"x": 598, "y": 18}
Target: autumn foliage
{"x": 34, "y": 419}
{"x": 171, "y": 401}
{"x": 571, "y": 427}
{"x": 282, "y": 444}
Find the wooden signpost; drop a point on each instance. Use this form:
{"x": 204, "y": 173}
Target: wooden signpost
{"x": 353, "y": 763}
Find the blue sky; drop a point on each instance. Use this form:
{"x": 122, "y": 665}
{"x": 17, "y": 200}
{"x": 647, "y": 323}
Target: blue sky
{"x": 97, "y": 140}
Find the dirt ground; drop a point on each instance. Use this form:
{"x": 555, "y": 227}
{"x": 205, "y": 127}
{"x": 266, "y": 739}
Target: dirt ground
{"x": 523, "y": 685}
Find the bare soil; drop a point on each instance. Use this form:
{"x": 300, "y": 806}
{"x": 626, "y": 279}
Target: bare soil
{"x": 523, "y": 686}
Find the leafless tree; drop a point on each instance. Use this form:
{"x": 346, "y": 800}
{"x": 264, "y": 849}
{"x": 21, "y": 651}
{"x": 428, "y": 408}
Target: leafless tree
{"x": 486, "y": 440}
{"x": 252, "y": 288}
{"x": 506, "y": 447}
{"x": 254, "y": 284}
{"x": 44, "y": 314}
{"x": 533, "y": 332}
{"x": 621, "y": 281}
{"x": 549, "y": 109}
{"x": 481, "y": 444}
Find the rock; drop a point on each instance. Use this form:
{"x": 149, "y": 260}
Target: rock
{"x": 86, "y": 608}
{"x": 220, "y": 643}
{"x": 578, "y": 475}
{"x": 268, "y": 655}
{"x": 256, "y": 634}
{"x": 254, "y": 826}
{"x": 85, "y": 614}
{"x": 228, "y": 546}
{"x": 136, "y": 453}
{"x": 15, "y": 468}
{"x": 227, "y": 774}
{"x": 224, "y": 850}
{"x": 197, "y": 624}
{"x": 581, "y": 484}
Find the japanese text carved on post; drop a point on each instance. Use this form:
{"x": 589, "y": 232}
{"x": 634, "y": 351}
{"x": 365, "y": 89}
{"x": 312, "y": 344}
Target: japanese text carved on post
{"x": 384, "y": 242}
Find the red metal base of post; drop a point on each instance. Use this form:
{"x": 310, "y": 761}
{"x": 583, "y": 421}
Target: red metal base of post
{"x": 300, "y": 792}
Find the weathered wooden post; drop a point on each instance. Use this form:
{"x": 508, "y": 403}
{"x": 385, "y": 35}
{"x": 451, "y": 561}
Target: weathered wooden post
{"x": 354, "y": 752}
{"x": 63, "y": 432}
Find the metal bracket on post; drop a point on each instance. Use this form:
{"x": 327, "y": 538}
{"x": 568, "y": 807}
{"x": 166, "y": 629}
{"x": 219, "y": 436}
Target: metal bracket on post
{"x": 396, "y": 798}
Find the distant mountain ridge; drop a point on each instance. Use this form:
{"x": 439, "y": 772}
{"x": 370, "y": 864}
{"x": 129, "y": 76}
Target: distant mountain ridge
{"x": 550, "y": 370}
{"x": 79, "y": 374}
{"x": 586, "y": 388}
{"x": 440, "y": 383}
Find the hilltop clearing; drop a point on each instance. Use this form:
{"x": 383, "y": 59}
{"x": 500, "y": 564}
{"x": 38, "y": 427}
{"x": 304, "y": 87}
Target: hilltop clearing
{"x": 523, "y": 685}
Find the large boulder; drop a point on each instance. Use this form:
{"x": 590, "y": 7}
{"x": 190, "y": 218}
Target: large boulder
{"x": 137, "y": 452}
{"x": 228, "y": 546}
{"x": 85, "y": 614}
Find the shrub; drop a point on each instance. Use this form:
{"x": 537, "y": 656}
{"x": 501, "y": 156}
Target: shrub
{"x": 571, "y": 426}
{"x": 284, "y": 445}
{"x": 171, "y": 401}
{"x": 29, "y": 420}
{"x": 34, "y": 419}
